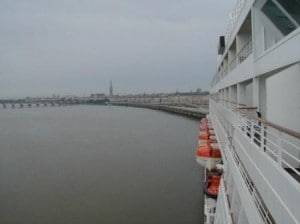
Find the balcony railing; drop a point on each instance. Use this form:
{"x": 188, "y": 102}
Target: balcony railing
{"x": 241, "y": 56}
{"x": 232, "y": 64}
{"x": 223, "y": 210}
{"x": 234, "y": 16}
{"x": 245, "y": 51}
{"x": 278, "y": 143}
{"x": 227, "y": 119}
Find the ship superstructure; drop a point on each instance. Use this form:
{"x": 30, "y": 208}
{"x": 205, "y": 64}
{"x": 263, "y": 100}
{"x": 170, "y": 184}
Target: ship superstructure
{"x": 254, "y": 116}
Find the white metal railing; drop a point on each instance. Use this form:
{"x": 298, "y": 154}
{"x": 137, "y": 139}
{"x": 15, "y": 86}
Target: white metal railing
{"x": 241, "y": 56}
{"x": 234, "y": 16}
{"x": 232, "y": 64}
{"x": 261, "y": 208}
{"x": 245, "y": 51}
{"x": 264, "y": 213}
{"x": 283, "y": 148}
{"x": 278, "y": 143}
{"x": 223, "y": 72}
{"x": 209, "y": 210}
{"x": 223, "y": 212}
{"x": 233, "y": 19}
{"x": 220, "y": 74}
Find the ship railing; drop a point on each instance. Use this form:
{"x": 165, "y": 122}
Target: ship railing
{"x": 232, "y": 64}
{"x": 245, "y": 51}
{"x": 209, "y": 210}
{"x": 214, "y": 80}
{"x": 223, "y": 208}
{"x": 230, "y": 105}
{"x": 234, "y": 16}
{"x": 241, "y": 56}
{"x": 220, "y": 74}
{"x": 282, "y": 145}
{"x": 224, "y": 71}
{"x": 262, "y": 209}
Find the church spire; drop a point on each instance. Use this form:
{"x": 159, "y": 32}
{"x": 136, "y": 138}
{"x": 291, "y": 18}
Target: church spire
{"x": 110, "y": 88}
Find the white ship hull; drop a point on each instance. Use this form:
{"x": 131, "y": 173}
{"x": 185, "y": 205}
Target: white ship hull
{"x": 254, "y": 110}
{"x": 208, "y": 163}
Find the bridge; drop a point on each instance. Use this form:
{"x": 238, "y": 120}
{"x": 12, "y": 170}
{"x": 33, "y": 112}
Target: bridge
{"x": 21, "y": 104}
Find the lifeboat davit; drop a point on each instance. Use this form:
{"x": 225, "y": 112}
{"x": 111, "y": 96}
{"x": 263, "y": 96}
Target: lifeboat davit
{"x": 211, "y": 188}
{"x": 208, "y": 156}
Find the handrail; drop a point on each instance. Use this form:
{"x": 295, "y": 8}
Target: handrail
{"x": 234, "y": 18}
{"x": 275, "y": 126}
{"x": 269, "y": 140}
{"x": 246, "y": 107}
{"x": 235, "y": 103}
{"x": 245, "y": 51}
{"x": 232, "y": 63}
{"x": 262, "y": 121}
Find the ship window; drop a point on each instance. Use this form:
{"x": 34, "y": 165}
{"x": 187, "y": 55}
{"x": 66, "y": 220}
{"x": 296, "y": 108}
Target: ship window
{"x": 279, "y": 18}
{"x": 292, "y": 7}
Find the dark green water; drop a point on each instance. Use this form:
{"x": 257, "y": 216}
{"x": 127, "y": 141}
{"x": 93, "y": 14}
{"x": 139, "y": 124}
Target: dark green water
{"x": 98, "y": 164}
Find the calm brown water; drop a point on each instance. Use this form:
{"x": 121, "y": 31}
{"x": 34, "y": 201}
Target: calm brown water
{"x": 98, "y": 164}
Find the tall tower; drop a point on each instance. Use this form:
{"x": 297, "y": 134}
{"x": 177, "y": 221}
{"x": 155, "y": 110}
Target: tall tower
{"x": 110, "y": 89}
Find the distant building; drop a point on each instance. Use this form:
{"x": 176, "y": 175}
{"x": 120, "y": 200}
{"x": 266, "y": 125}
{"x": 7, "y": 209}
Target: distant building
{"x": 110, "y": 89}
{"x": 177, "y": 98}
{"x": 97, "y": 96}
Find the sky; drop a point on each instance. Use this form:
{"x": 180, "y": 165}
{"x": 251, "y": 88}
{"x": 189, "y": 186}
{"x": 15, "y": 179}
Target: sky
{"x": 75, "y": 47}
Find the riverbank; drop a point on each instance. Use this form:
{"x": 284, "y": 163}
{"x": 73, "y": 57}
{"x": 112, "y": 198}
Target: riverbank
{"x": 196, "y": 113}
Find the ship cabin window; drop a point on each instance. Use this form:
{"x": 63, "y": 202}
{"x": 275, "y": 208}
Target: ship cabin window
{"x": 292, "y": 7}
{"x": 278, "y": 11}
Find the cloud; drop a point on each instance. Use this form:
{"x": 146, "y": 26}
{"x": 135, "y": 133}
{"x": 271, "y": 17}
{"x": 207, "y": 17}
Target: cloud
{"x": 69, "y": 46}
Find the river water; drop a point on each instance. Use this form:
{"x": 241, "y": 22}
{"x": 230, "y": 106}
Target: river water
{"x": 98, "y": 164}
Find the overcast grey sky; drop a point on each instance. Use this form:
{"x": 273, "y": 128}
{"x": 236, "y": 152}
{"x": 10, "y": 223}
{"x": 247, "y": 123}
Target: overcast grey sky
{"x": 76, "y": 46}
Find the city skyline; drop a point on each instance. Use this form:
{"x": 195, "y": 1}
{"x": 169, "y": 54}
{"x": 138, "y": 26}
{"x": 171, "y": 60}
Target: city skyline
{"x": 107, "y": 93}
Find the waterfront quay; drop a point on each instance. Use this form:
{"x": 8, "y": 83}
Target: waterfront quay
{"x": 196, "y": 113}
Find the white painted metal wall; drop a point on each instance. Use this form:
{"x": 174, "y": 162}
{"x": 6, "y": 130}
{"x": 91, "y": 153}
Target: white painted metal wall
{"x": 283, "y": 98}
{"x": 262, "y": 163}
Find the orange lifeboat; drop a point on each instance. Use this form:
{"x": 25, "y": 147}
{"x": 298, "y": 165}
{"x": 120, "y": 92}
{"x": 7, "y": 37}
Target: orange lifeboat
{"x": 202, "y": 142}
{"x": 205, "y": 124}
{"x": 207, "y": 156}
{"x": 215, "y": 153}
{"x": 203, "y": 127}
{"x": 211, "y": 188}
{"x": 203, "y": 151}
{"x": 204, "y": 135}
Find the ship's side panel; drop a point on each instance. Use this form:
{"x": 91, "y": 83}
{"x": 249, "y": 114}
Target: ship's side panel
{"x": 255, "y": 109}
{"x": 282, "y": 102}
{"x": 239, "y": 196}
{"x": 277, "y": 188}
